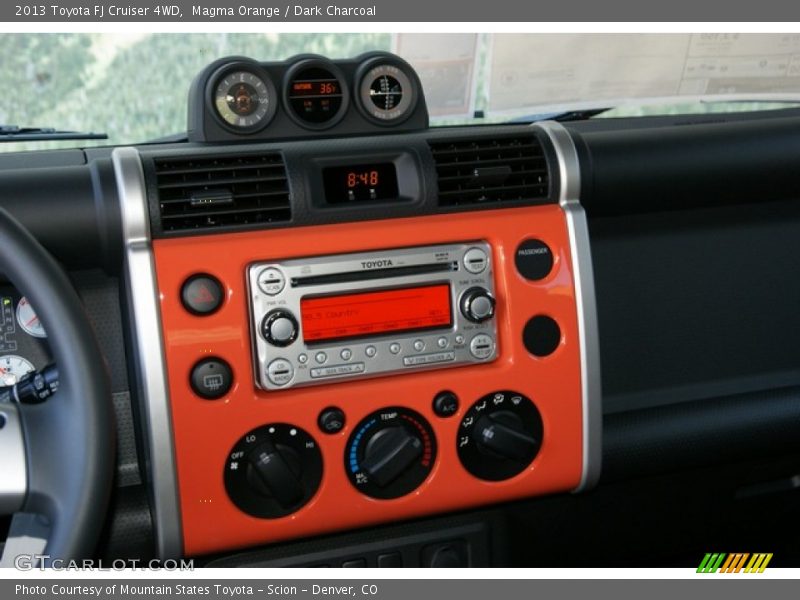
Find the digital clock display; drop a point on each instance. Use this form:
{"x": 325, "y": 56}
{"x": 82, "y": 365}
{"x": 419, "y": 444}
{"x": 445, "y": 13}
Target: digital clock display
{"x": 360, "y": 183}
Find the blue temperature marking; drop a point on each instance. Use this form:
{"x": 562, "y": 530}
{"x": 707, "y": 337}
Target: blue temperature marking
{"x": 354, "y": 446}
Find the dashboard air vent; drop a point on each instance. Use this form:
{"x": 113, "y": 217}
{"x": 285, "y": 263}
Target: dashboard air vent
{"x": 196, "y": 193}
{"x": 491, "y": 170}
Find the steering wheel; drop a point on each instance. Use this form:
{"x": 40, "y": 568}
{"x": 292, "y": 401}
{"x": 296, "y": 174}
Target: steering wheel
{"x": 57, "y": 458}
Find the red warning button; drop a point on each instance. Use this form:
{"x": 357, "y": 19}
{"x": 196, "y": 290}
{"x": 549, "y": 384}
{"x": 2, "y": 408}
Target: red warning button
{"x": 202, "y": 294}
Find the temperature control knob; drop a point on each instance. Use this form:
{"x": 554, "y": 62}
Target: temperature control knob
{"x": 273, "y": 471}
{"x": 279, "y": 327}
{"x": 477, "y": 304}
{"x": 390, "y": 453}
{"x": 499, "y": 436}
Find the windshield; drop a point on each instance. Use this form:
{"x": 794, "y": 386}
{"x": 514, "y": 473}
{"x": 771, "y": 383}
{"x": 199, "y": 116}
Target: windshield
{"x": 134, "y": 86}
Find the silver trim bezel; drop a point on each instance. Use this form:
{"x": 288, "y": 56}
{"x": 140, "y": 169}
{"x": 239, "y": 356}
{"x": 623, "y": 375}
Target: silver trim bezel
{"x": 153, "y": 396}
{"x": 569, "y": 176}
{"x": 13, "y": 460}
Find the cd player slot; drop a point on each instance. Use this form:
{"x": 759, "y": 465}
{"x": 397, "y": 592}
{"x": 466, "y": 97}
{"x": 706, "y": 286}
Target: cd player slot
{"x": 374, "y": 274}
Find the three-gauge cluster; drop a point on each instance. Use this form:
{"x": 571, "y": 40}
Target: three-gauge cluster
{"x": 242, "y": 98}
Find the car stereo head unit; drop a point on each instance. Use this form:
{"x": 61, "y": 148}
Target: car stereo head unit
{"x": 347, "y": 316}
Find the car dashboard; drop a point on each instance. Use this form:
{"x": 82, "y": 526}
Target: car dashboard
{"x": 337, "y": 336}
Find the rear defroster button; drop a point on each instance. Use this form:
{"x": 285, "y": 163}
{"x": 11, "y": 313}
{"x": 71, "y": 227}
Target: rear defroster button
{"x": 211, "y": 378}
{"x": 481, "y": 346}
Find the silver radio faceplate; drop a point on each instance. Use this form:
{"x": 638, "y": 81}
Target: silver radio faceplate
{"x": 371, "y": 313}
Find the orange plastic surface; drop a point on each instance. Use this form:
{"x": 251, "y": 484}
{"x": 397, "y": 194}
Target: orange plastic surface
{"x": 206, "y": 430}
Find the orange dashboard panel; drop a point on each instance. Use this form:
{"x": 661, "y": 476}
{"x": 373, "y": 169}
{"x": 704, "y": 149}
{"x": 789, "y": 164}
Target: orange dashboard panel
{"x": 474, "y": 413}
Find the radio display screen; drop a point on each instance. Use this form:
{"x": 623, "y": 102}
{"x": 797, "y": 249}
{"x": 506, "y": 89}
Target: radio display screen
{"x": 367, "y": 314}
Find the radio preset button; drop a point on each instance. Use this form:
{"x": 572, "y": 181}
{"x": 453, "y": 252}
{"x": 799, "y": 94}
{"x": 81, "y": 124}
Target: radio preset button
{"x": 271, "y": 281}
{"x": 346, "y": 354}
{"x": 419, "y": 345}
{"x": 481, "y": 346}
{"x": 475, "y": 260}
{"x": 335, "y": 370}
{"x": 370, "y": 351}
{"x": 394, "y": 348}
{"x": 442, "y": 342}
{"x": 321, "y": 357}
{"x": 280, "y": 371}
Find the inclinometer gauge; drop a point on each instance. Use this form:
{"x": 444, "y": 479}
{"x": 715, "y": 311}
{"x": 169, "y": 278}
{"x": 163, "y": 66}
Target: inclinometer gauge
{"x": 315, "y": 94}
{"x": 243, "y": 98}
{"x": 386, "y": 93}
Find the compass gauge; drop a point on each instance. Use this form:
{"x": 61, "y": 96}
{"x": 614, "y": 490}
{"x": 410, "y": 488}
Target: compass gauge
{"x": 244, "y": 100}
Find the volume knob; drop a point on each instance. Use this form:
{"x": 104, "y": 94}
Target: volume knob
{"x": 477, "y": 305}
{"x": 279, "y": 327}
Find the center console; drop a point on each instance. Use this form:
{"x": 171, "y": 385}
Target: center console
{"x": 361, "y": 352}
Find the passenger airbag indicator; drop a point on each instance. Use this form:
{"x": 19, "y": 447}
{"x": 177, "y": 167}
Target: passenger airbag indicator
{"x": 375, "y": 313}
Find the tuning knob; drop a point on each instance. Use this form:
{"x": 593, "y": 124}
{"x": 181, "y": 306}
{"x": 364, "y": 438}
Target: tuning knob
{"x": 279, "y": 327}
{"x": 477, "y": 304}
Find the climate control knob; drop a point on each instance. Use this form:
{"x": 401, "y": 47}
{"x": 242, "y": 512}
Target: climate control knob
{"x": 273, "y": 470}
{"x": 390, "y": 453}
{"x": 499, "y": 436}
{"x": 279, "y": 327}
{"x": 477, "y": 304}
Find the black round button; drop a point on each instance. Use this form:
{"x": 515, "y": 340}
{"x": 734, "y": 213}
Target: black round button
{"x": 211, "y": 378}
{"x": 541, "y": 335}
{"x": 534, "y": 259}
{"x": 331, "y": 420}
{"x": 202, "y": 294}
{"x": 445, "y": 404}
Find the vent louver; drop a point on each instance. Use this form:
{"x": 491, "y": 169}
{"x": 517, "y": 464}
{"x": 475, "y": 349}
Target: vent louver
{"x": 491, "y": 170}
{"x": 197, "y": 192}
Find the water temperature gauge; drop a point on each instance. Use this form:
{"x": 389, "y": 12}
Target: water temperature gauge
{"x": 28, "y": 320}
{"x": 12, "y": 369}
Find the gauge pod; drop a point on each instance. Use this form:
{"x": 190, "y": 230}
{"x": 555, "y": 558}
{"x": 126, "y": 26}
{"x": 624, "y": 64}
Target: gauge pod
{"x": 315, "y": 93}
{"x": 242, "y": 97}
{"x": 387, "y": 90}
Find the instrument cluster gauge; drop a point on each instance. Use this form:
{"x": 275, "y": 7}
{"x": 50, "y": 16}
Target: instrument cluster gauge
{"x": 386, "y": 93}
{"x": 315, "y": 94}
{"x": 243, "y": 97}
{"x": 12, "y": 369}
{"x": 28, "y": 320}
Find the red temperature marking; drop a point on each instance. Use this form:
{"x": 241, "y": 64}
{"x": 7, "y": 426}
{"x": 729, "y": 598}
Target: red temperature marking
{"x": 374, "y": 313}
